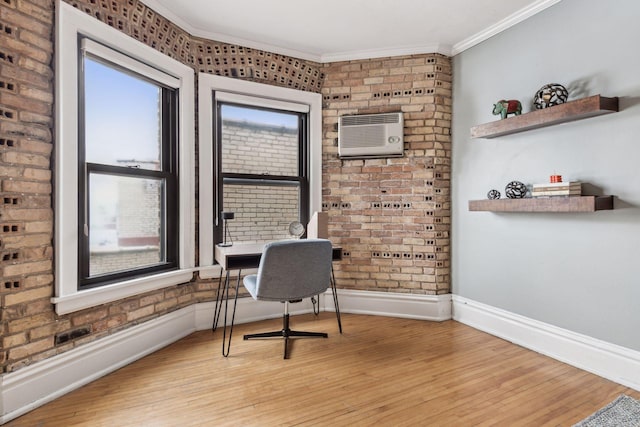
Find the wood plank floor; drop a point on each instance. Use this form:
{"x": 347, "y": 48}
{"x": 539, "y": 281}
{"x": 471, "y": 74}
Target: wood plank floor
{"x": 381, "y": 371}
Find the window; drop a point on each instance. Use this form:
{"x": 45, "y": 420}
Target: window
{"x": 124, "y": 201}
{"x": 263, "y": 171}
{"x": 127, "y": 176}
{"x": 260, "y": 157}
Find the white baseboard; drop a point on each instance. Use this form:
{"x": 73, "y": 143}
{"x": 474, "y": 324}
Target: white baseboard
{"x": 409, "y": 306}
{"x": 37, "y": 384}
{"x": 607, "y": 360}
{"x": 249, "y": 310}
{"x": 44, "y": 381}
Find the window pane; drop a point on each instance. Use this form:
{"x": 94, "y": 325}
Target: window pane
{"x": 262, "y": 213}
{"x": 122, "y": 118}
{"x": 257, "y": 141}
{"x": 125, "y": 223}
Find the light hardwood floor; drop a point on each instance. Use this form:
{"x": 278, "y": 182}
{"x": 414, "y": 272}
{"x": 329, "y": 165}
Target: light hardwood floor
{"x": 381, "y": 371}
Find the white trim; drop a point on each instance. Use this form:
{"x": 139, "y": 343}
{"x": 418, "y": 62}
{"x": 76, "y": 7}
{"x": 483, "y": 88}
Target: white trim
{"x": 106, "y": 53}
{"x": 327, "y": 57}
{"x": 44, "y": 381}
{"x": 239, "y": 41}
{"x": 261, "y": 102}
{"x": 249, "y": 310}
{"x": 409, "y": 306}
{"x": 502, "y": 25}
{"x": 269, "y": 95}
{"x": 69, "y": 23}
{"x": 210, "y": 272}
{"x": 108, "y": 293}
{"x": 607, "y": 360}
{"x": 384, "y": 53}
{"x": 225, "y": 38}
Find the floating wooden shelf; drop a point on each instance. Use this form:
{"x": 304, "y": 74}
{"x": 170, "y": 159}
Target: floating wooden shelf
{"x": 569, "y": 111}
{"x": 544, "y": 204}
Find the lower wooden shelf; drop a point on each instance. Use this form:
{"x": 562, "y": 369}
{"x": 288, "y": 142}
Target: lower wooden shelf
{"x": 544, "y": 204}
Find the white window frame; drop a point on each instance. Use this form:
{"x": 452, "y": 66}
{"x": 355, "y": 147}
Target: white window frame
{"x": 70, "y": 24}
{"x": 260, "y": 95}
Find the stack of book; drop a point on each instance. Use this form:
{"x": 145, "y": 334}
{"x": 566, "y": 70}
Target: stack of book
{"x": 552, "y": 189}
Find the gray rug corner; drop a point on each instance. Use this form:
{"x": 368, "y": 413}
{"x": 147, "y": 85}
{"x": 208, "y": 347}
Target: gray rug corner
{"x": 622, "y": 412}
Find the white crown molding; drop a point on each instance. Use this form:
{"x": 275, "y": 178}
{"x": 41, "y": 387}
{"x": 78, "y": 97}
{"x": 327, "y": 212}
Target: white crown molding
{"x": 238, "y": 41}
{"x": 502, "y": 25}
{"x": 385, "y": 52}
{"x": 604, "y": 359}
{"x": 328, "y": 57}
{"x": 225, "y": 38}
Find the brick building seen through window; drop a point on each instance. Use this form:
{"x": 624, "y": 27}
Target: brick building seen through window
{"x": 262, "y": 212}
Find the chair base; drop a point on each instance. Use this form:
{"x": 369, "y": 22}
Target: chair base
{"x": 286, "y": 333}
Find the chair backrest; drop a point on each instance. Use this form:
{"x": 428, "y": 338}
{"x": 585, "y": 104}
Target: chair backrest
{"x": 294, "y": 269}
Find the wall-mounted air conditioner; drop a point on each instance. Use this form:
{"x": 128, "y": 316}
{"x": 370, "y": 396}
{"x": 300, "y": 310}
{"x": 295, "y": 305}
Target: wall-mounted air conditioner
{"x": 371, "y": 135}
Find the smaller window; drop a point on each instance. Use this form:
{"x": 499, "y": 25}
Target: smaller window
{"x": 295, "y": 178}
{"x": 263, "y": 171}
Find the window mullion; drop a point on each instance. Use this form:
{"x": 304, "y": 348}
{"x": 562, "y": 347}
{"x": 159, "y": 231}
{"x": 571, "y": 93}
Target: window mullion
{"x": 126, "y": 171}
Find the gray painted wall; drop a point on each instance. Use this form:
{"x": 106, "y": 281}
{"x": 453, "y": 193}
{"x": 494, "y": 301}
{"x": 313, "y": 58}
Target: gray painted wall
{"x": 577, "y": 271}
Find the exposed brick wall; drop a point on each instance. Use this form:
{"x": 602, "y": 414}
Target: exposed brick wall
{"x": 26, "y": 217}
{"x": 134, "y": 18}
{"x": 31, "y": 331}
{"x": 29, "y": 328}
{"x": 391, "y": 215}
{"x": 251, "y": 64}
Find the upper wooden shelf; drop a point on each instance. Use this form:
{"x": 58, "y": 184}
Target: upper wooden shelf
{"x": 544, "y": 204}
{"x": 569, "y": 111}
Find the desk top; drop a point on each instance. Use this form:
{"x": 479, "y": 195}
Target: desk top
{"x": 239, "y": 255}
{"x": 247, "y": 255}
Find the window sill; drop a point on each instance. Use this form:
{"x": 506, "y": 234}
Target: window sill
{"x": 117, "y": 291}
{"x": 210, "y": 272}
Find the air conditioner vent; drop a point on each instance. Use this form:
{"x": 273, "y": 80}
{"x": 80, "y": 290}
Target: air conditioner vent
{"x": 371, "y": 135}
{"x": 369, "y": 119}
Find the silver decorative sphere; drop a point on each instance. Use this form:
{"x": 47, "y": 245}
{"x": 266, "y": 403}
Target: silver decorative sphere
{"x": 515, "y": 190}
{"x": 493, "y": 194}
{"x": 550, "y": 95}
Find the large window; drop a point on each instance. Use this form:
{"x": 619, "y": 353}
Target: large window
{"x": 262, "y": 171}
{"x": 127, "y": 175}
{"x": 260, "y": 151}
{"x": 124, "y": 200}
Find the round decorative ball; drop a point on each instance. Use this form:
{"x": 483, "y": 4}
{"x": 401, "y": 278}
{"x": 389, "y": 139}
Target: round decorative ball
{"x": 550, "y": 95}
{"x": 493, "y": 194}
{"x": 515, "y": 190}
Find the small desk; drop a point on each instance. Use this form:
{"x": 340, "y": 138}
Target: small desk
{"x": 241, "y": 256}
{"x": 247, "y": 255}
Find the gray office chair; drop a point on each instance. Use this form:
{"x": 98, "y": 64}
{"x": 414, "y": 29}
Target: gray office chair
{"x": 289, "y": 271}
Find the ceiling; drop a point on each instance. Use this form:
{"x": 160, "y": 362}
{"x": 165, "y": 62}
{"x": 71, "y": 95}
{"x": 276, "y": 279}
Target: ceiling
{"x": 341, "y": 30}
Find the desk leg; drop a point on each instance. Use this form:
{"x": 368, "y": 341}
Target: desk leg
{"x": 335, "y": 298}
{"x": 216, "y": 312}
{"x": 225, "y": 353}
